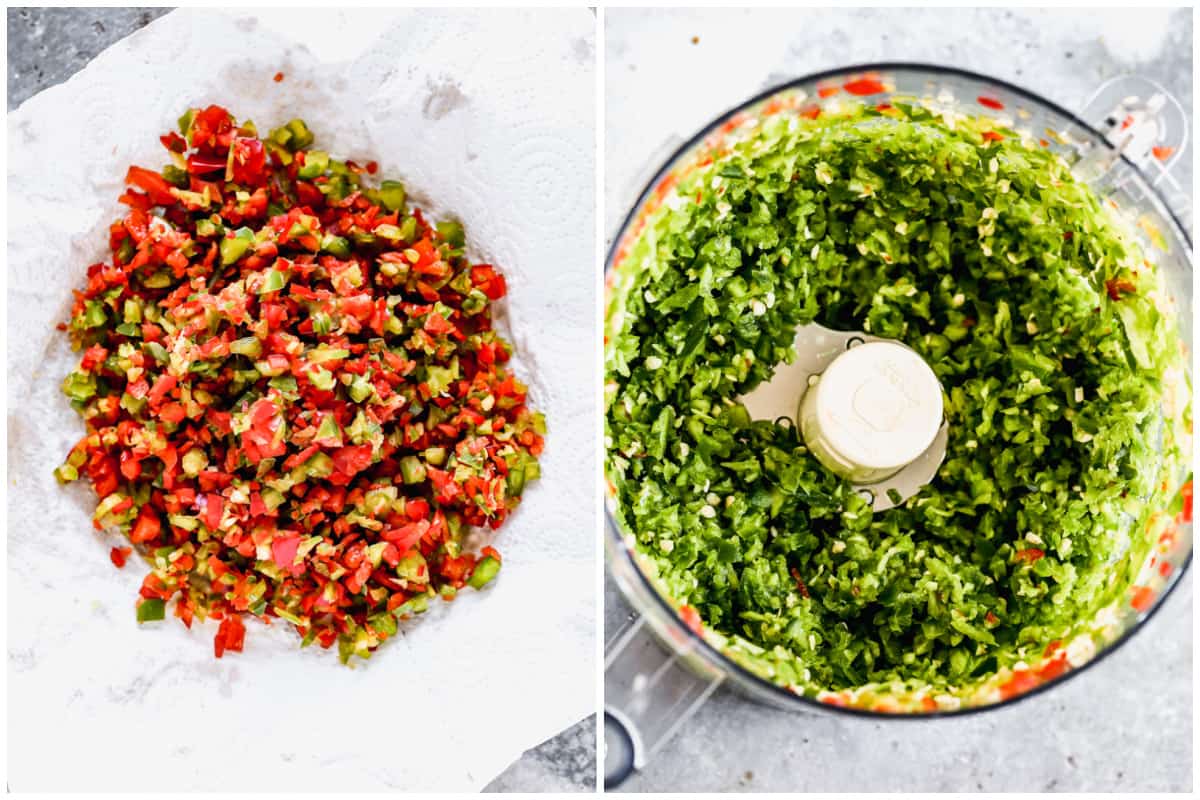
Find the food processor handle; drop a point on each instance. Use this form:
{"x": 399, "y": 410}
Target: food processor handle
{"x": 648, "y": 694}
{"x": 648, "y": 691}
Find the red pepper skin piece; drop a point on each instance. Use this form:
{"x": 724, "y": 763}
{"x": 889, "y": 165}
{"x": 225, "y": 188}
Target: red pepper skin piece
{"x": 456, "y": 570}
{"x": 249, "y": 161}
{"x": 147, "y": 527}
{"x": 211, "y": 128}
{"x": 1185, "y": 493}
{"x": 231, "y": 635}
{"x": 173, "y": 412}
{"x": 992, "y": 136}
{"x": 131, "y": 465}
{"x": 119, "y": 555}
{"x": 417, "y": 509}
{"x": 161, "y": 387}
{"x": 352, "y": 460}
{"x": 988, "y": 102}
{"x": 93, "y": 357}
{"x": 283, "y": 551}
{"x": 406, "y": 537}
{"x": 174, "y": 142}
{"x": 490, "y": 282}
{"x": 104, "y": 476}
{"x": 153, "y": 184}
{"x": 198, "y": 164}
{"x": 214, "y": 506}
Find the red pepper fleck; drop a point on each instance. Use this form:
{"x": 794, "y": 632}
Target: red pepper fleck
{"x": 119, "y": 555}
{"x": 1115, "y": 287}
{"x": 992, "y": 136}
{"x": 799, "y": 583}
{"x": 691, "y": 618}
{"x": 1162, "y": 153}
{"x": 1053, "y": 668}
{"x": 231, "y": 635}
{"x": 1142, "y": 599}
{"x": 278, "y": 77}
{"x": 827, "y": 91}
{"x": 1020, "y": 683}
{"x": 865, "y": 86}
{"x": 1030, "y": 554}
{"x": 988, "y": 102}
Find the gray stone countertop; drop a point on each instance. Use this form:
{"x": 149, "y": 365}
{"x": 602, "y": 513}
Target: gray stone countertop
{"x": 1123, "y": 725}
{"x": 46, "y": 46}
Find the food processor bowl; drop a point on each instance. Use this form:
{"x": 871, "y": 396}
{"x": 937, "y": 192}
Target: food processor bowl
{"x": 663, "y": 664}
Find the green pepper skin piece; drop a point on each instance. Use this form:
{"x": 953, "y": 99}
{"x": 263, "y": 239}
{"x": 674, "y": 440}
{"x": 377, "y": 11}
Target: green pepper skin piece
{"x": 392, "y": 195}
{"x": 151, "y": 609}
{"x": 485, "y": 570}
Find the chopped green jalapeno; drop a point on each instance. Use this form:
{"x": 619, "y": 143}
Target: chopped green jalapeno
{"x": 391, "y": 195}
{"x": 315, "y": 164}
{"x": 452, "y": 233}
{"x": 1042, "y": 318}
{"x": 236, "y": 246}
{"x": 412, "y": 469}
{"x": 151, "y": 610}
{"x": 485, "y": 569}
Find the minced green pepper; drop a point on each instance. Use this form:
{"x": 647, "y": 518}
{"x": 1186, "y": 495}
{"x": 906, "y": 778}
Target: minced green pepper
{"x": 978, "y": 249}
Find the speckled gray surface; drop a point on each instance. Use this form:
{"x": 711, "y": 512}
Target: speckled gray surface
{"x": 1124, "y": 724}
{"x": 47, "y": 46}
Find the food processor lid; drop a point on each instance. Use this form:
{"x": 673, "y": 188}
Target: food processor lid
{"x": 878, "y": 405}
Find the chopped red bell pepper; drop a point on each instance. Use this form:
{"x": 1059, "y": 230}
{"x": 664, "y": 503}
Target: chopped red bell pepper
{"x": 293, "y": 391}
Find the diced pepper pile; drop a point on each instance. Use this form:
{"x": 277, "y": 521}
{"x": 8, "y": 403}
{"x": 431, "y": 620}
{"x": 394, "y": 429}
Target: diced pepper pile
{"x": 296, "y": 404}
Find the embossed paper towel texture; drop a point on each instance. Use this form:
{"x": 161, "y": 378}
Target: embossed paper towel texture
{"x": 486, "y": 116}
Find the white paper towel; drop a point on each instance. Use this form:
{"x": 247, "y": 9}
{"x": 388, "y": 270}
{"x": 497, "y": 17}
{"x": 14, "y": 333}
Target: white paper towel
{"x": 486, "y": 116}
